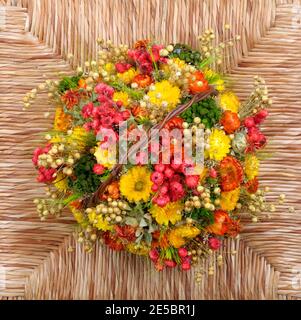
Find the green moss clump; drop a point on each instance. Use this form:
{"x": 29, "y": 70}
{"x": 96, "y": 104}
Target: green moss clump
{"x": 207, "y": 110}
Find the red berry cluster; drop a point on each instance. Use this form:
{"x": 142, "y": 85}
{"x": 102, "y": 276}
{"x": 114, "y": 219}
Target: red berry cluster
{"x": 256, "y": 139}
{"x": 107, "y": 114}
{"x": 169, "y": 182}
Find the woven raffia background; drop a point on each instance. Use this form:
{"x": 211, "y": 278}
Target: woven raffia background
{"x": 35, "y": 38}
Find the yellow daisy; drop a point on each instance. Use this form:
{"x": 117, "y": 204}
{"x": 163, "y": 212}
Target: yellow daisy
{"x": 127, "y": 76}
{"x": 219, "y": 144}
{"x": 165, "y": 95}
{"x": 229, "y": 101}
{"x": 136, "y": 184}
{"x": 251, "y": 166}
{"x": 99, "y": 222}
{"x": 104, "y": 157}
{"x": 123, "y": 97}
{"x": 178, "y": 236}
{"x": 229, "y": 199}
{"x": 170, "y": 213}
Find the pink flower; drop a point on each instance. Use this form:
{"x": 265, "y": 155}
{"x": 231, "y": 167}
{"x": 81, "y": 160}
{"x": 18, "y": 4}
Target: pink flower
{"x": 214, "y": 243}
{"x": 46, "y": 175}
{"x": 161, "y": 200}
{"x": 154, "y": 255}
{"x": 104, "y": 89}
{"x": 192, "y": 181}
{"x": 98, "y": 169}
{"x": 122, "y": 67}
{"x": 157, "y": 177}
{"x": 182, "y": 252}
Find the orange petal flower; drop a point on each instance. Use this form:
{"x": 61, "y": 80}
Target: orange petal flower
{"x": 231, "y": 173}
{"x": 230, "y": 121}
{"x": 221, "y": 223}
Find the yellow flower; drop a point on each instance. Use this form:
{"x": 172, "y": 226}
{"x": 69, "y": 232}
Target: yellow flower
{"x": 127, "y": 76}
{"x": 178, "y": 236}
{"x": 215, "y": 79}
{"x": 104, "y": 157}
{"x": 109, "y": 67}
{"x": 61, "y": 182}
{"x": 229, "y": 101}
{"x": 165, "y": 95}
{"x": 170, "y": 213}
{"x": 136, "y": 184}
{"x": 229, "y": 199}
{"x": 99, "y": 222}
{"x": 219, "y": 144}
{"x": 141, "y": 249}
{"x": 251, "y": 166}
{"x": 180, "y": 63}
{"x": 78, "y": 215}
{"x": 78, "y": 138}
{"x": 61, "y": 120}
{"x": 123, "y": 97}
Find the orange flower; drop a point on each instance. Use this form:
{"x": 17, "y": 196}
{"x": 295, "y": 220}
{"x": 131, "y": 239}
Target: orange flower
{"x": 112, "y": 241}
{"x": 62, "y": 120}
{"x": 231, "y": 173}
{"x": 252, "y": 185}
{"x": 234, "y": 228}
{"x": 126, "y": 232}
{"x": 141, "y": 44}
{"x": 82, "y": 83}
{"x": 198, "y": 83}
{"x": 112, "y": 191}
{"x": 221, "y": 223}
{"x": 71, "y": 98}
{"x": 230, "y": 121}
{"x": 143, "y": 80}
{"x": 160, "y": 240}
{"x": 139, "y": 112}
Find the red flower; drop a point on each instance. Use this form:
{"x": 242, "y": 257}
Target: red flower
{"x": 71, "y": 98}
{"x": 125, "y": 232}
{"x": 231, "y": 173}
{"x": 234, "y": 228}
{"x": 98, "y": 169}
{"x": 252, "y": 185}
{"x": 112, "y": 242}
{"x": 214, "y": 243}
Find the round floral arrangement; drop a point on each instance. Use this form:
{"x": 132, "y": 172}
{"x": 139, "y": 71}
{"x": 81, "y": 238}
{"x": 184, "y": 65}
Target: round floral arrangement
{"x": 175, "y": 210}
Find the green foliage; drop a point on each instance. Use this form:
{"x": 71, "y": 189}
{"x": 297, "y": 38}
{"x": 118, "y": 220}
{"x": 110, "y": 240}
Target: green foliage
{"x": 203, "y": 216}
{"x": 187, "y": 54}
{"x": 68, "y": 83}
{"x": 207, "y": 110}
{"x": 86, "y": 181}
{"x": 133, "y": 93}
